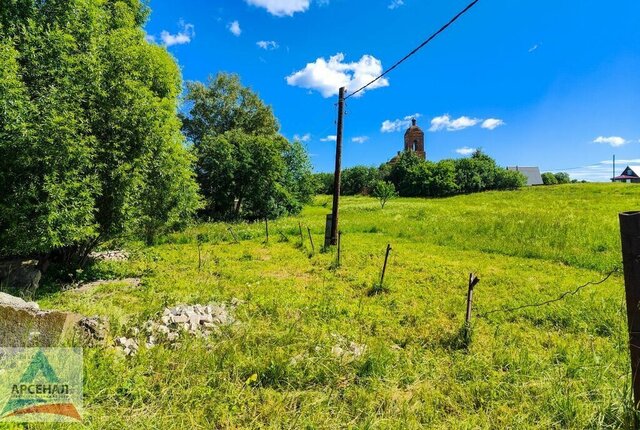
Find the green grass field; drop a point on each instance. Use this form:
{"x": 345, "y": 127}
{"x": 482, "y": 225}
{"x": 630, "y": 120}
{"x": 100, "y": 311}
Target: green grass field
{"x": 564, "y": 365}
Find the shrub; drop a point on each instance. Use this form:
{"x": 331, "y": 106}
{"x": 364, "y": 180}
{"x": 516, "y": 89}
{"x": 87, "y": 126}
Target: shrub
{"x": 549, "y": 178}
{"x": 383, "y": 191}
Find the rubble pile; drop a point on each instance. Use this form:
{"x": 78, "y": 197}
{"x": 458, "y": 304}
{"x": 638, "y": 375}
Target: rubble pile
{"x": 180, "y": 321}
{"x": 116, "y": 255}
{"x": 345, "y": 349}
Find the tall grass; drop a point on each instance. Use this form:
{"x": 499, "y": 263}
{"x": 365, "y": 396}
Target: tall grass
{"x": 561, "y": 366}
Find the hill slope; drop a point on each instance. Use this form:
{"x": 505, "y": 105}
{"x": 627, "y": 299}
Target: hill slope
{"x": 314, "y": 349}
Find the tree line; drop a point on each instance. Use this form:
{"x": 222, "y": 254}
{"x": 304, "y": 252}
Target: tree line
{"x": 93, "y": 147}
{"x": 412, "y": 176}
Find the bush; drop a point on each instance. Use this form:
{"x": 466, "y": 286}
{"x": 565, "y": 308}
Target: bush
{"x": 358, "y": 180}
{"x": 414, "y": 177}
{"x": 90, "y": 142}
{"x": 323, "y": 183}
{"x": 563, "y": 178}
{"x": 245, "y": 168}
{"x": 383, "y": 191}
{"x": 549, "y": 178}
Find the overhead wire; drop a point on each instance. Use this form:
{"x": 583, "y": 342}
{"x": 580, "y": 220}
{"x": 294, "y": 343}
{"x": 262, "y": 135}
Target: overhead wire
{"x": 410, "y": 54}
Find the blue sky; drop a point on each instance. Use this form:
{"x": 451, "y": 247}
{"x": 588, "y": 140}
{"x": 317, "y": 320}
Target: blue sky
{"x": 549, "y": 83}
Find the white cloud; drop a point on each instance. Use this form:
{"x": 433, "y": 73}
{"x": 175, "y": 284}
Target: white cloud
{"x": 445, "y": 122}
{"x": 150, "y": 38}
{"x": 360, "y": 139}
{"x": 234, "y": 28}
{"x": 534, "y": 48}
{"x": 492, "y": 123}
{"x": 391, "y": 126}
{"x": 465, "y": 150}
{"x": 281, "y": 7}
{"x": 183, "y": 36}
{"x": 395, "y": 4}
{"x": 329, "y": 139}
{"x": 304, "y": 138}
{"x": 614, "y": 141}
{"x": 268, "y": 45}
{"x": 327, "y": 77}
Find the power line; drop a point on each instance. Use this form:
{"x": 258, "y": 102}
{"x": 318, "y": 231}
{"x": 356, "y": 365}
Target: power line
{"x": 422, "y": 45}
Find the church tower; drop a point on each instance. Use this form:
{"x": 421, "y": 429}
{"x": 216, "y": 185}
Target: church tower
{"x": 414, "y": 140}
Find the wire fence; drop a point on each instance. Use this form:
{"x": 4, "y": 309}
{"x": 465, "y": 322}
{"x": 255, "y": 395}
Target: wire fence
{"x": 561, "y": 297}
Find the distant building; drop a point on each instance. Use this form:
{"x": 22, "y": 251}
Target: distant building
{"x": 532, "y": 174}
{"x": 630, "y": 174}
{"x": 413, "y": 141}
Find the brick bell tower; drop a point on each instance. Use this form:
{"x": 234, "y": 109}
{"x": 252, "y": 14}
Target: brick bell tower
{"x": 414, "y": 140}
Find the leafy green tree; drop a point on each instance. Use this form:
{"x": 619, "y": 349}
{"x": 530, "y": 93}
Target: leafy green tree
{"x": 91, "y": 126}
{"x": 563, "y": 178}
{"x": 383, "y": 191}
{"x": 256, "y": 176}
{"x": 413, "y": 176}
{"x": 358, "y": 180}
{"x": 509, "y": 180}
{"x": 224, "y": 104}
{"x": 323, "y": 183}
{"x": 244, "y": 167}
{"x": 549, "y": 178}
{"x": 443, "y": 179}
{"x": 403, "y": 174}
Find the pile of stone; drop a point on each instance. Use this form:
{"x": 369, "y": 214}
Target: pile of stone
{"x": 347, "y": 350}
{"x": 180, "y": 321}
{"x": 116, "y": 255}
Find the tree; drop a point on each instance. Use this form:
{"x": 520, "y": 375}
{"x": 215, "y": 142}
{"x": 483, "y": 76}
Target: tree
{"x": 562, "y": 178}
{"x": 549, "y": 178}
{"x": 413, "y": 176}
{"x": 358, "y": 180}
{"x": 383, "y": 191}
{"x": 252, "y": 176}
{"x": 509, "y": 180}
{"x": 90, "y": 140}
{"x": 244, "y": 167}
{"x": 323, "y": 183}
{"x": 443, "y": 179}
{"x": 403, "y": 174}
{"x": 224, "y": 104}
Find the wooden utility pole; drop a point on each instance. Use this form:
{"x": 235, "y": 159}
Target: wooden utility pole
{"x": 338, "y": 169}
{"x": 630, "y": 235}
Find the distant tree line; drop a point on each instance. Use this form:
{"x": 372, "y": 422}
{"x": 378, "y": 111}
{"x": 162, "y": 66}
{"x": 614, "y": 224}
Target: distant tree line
{"x": 549, "y": 178}
{"x": 413, "y": 177}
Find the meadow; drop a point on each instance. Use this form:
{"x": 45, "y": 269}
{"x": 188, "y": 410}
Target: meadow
{"x": 560, "y": 366}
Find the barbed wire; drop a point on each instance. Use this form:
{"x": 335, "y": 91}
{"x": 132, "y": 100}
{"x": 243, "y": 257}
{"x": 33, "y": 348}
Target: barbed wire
{"x": 546, "y": 302}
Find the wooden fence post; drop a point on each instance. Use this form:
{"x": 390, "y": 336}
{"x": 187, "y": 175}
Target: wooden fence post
{"x": 473, "y": 281}
{"x": 301, "y": 236}
{"x": 339, "y": 244}
{"x": 235, "y": 238}
{"x": 630, "y": 235}
{"x": 313, "y": 248}
{"x": 384, "y": 268}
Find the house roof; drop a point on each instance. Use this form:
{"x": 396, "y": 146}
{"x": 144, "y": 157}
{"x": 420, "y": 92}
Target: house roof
{"x": 532, "y": 173}
{"x": 629, "y": 172}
